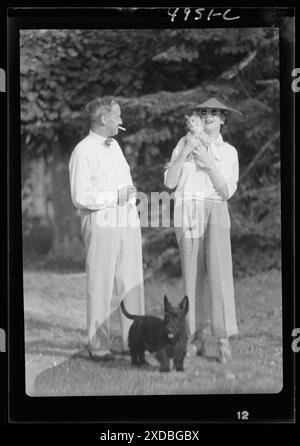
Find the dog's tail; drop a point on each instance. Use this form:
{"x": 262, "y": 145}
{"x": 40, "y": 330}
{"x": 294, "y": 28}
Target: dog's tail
{"x": 130, "y": 316}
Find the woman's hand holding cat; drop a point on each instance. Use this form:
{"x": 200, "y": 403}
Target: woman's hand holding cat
{"x": 190, "y": 143}
{"x": 201, "y": 156}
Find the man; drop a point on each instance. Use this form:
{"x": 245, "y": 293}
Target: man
{"x": 204, "y": 183}
{"x": 101, "y": 187}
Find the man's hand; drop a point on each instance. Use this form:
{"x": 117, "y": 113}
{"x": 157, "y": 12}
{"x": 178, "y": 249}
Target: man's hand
{"x": 125, "y": 194}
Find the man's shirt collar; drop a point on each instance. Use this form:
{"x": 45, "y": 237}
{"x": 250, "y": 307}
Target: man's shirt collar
{"x": 97, "y": 138}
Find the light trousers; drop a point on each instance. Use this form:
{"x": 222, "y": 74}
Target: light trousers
{"x": 205, "y": 250}
{"x": 114, "y": 272}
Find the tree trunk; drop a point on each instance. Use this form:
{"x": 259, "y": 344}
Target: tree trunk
{"x": 67, "y": 244}
{"x": 38, "y": 196}
{"x": 37, "y": 227}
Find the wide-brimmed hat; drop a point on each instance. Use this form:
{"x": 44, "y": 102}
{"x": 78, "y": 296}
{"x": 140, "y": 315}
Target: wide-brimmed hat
{"x": 216, "y": 104}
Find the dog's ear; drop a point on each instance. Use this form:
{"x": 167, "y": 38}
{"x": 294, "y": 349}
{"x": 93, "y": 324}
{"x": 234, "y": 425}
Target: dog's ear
{"x": 184, "y": 305}
{"x": 166, "y": 303}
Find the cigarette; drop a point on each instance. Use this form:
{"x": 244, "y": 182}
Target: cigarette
{"x": 122, "y": 128}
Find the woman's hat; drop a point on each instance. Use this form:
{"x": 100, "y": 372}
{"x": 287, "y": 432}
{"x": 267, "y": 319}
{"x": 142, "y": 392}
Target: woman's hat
{"x": 214, "y": 103}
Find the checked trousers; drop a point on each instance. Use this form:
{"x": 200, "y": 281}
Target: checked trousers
{"x": 204, "y": 242}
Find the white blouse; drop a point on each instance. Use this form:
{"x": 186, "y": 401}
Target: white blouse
{"x": 194, "y": 182}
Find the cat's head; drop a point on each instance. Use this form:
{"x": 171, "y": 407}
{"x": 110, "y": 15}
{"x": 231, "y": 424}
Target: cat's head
{"x": 193, "y": 122}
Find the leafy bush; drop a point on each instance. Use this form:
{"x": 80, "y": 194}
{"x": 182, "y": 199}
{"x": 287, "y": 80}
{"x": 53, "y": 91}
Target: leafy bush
{"x": 158, "y": 75}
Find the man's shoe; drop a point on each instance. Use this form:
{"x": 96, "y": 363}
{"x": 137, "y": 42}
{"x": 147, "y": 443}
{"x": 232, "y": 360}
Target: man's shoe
{"x": 101, "y": 355}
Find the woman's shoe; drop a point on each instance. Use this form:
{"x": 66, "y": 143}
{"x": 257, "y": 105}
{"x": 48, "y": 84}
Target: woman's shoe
{"x": 196, "y": 349}
{"x": 197, "y": 344}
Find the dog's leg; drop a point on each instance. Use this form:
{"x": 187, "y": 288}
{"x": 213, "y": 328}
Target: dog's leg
{"x": 141, "y": 358}
{"x": 134, "y": 357}
{"x": 178, "y": 363}
{"x": 179, "y": 352}
{"x": 164, "y": 360}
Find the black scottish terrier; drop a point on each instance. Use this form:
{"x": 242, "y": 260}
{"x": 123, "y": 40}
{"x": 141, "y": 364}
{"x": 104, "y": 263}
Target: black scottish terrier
{"x": 167, "y": 337}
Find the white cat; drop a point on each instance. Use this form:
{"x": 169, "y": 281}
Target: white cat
{"x": 195, "y": 127}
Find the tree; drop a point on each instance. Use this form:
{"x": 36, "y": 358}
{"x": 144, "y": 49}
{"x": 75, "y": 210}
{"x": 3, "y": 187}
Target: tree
{"x": 156, "y": 75}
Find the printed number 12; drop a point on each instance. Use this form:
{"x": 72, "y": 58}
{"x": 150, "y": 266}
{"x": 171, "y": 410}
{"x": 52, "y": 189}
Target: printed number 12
{"x": 243, "y": 415}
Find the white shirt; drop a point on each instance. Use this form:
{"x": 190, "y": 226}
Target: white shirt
{"x": 97, "y": 172}
{"x": 194, "y": 179}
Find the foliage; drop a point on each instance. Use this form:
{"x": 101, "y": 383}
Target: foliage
{"x": 158, "y": 75}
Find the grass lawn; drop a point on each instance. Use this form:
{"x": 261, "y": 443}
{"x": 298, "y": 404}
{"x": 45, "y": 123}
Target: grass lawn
{"x": 55, "y": 342}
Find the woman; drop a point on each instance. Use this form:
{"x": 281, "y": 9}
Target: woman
{"x": 204, "y": 182}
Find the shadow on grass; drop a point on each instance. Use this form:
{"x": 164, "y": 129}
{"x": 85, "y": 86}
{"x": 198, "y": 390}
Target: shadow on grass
{"x": 82, "y": 375}
{"x": 250, "y": 371}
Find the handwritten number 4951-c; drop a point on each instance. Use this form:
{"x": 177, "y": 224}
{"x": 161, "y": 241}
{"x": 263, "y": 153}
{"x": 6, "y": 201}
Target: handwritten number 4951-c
{"x": 199, "y": 13}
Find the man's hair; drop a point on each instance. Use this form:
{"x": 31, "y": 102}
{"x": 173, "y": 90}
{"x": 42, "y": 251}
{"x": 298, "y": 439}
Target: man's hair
{"x": 99, "y": 107}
